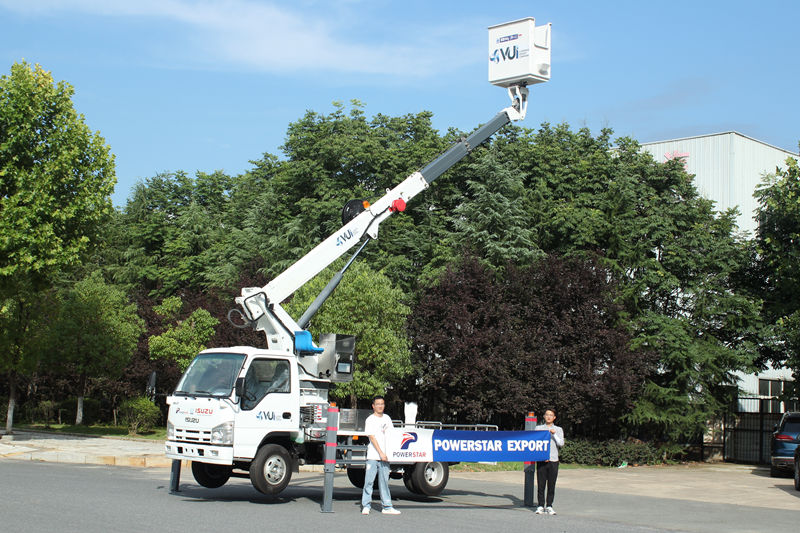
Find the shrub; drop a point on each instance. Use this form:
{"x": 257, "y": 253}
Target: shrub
{"x": 609, "y": 453}
{"x": 139, "y": 414}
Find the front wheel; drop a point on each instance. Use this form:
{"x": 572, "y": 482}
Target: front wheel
{"x": 431, "y": 478}
{"x": 796, "y": 472}
{"x": 271, "y": 470}
{"x": 211, "y": 476}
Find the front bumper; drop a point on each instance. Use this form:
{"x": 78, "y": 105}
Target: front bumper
{"x": 192, "y": 451}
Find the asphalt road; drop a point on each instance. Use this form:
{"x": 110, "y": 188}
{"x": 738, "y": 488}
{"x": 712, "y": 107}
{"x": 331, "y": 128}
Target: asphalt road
{"x": 92, "y": 499}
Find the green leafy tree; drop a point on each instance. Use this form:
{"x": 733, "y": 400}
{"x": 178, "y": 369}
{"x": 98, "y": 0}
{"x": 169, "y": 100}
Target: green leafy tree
{"x": 185, "y": 338}
{"x": 95, "y": 333}
{"x": 778, "y": 263}
{"x": 678, "y": 264}
{"x": 23, "y": 334}
{"x": 171, "y": 229}
{"x": 56, "y": 180}
{"x": 492, "y": 219}
{"x": 365, "y": 305}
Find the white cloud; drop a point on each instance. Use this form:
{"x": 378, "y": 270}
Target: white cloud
{"x": 266, "y": 36}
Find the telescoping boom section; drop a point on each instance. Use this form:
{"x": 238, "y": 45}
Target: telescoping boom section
{"x": 261, "y": 305}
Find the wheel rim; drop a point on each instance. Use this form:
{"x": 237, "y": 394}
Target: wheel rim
{"x": 274, "y": 470}
{"x": 434, "y": 473}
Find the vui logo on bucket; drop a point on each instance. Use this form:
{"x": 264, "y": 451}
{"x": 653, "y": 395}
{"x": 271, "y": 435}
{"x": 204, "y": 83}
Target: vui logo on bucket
{"x": 504, "y": 54}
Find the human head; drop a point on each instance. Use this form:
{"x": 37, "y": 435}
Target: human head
{"x": 549, "y": 415}
{"x": 378, "y": 405}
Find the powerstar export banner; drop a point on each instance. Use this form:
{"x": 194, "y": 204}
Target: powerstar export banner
{"x": 426, "y": 445}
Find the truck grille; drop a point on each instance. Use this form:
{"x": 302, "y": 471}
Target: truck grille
{"x": 192, "y": 435}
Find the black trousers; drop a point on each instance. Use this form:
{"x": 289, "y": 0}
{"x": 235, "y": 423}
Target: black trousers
{"x": 546, "y": 474}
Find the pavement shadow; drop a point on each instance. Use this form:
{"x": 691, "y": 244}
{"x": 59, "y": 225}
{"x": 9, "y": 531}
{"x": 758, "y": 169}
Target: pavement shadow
{"x": 311, "y": 489}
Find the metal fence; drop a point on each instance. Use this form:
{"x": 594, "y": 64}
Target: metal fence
{"x": 748, "y": 430}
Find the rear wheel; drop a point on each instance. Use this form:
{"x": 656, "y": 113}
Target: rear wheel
{"x": 356, "y": 476}
{"x": 271, "y": 470}
{"x": 408, "y": 480}
{"x": 430, "y": 479}
{"x": 211, "y": 476}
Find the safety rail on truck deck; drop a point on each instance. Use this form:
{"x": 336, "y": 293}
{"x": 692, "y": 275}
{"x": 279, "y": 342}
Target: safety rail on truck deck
{"x": 427, "y": 424}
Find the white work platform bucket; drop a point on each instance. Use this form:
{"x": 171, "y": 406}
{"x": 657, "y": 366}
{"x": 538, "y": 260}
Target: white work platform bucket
{"x": 519, "y": 53}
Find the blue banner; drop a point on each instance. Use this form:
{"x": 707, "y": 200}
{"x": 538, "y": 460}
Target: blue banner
{"x": 499, "y": 446}
{"x": 414, "y": 445}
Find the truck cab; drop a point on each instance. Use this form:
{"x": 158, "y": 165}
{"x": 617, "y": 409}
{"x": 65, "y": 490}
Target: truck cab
{"x": 232, "y": 402}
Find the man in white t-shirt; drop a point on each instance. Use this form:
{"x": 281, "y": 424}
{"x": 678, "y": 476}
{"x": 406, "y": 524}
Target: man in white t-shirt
{"x": 375, "y": 427}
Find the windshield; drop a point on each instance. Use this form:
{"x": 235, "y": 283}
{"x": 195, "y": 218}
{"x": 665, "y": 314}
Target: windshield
{"x": 211, "y": 374}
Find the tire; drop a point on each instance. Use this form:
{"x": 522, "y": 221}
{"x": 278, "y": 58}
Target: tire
{"x": 211, "y": 476}
{"x": 271, "y": 470}
{"x": 408, "y": 480}
{"x": 431, "y": 478}
{"x": 797, "y": 474}
{"x": 356, "y": 476}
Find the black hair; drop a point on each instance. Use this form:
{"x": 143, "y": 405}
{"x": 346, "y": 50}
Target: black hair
{"x": 550, "y": 409}
{"x": 378, "y": 397}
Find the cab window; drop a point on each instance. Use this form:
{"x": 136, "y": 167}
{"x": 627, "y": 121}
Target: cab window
{"x": 265, "y": 376}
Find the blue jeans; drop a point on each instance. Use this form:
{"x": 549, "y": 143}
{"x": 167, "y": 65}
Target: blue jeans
{"x": 380, "y": 469}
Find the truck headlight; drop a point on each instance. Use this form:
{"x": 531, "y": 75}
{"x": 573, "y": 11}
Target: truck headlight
{"x": 222, "y": 434}
{"x": 170, "y": 430}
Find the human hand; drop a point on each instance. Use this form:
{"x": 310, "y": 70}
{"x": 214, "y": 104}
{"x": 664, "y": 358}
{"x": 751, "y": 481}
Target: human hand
{"x": 384, "y": 458}
{"x": 552, "y": 431}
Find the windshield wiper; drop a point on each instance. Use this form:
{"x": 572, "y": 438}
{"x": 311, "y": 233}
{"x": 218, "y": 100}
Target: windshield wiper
{"x": 195, "y": 393}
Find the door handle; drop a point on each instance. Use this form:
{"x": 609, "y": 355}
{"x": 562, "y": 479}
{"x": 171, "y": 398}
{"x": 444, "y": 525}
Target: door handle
{"x": 287, "y": 415}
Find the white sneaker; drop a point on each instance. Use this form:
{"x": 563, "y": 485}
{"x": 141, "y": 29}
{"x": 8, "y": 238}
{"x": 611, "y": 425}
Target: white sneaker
{"x": 550, "y": 510}
{"x": 540, "y": 510}
{"x": 390, "y": 510}
{"x": 365, "y": 510}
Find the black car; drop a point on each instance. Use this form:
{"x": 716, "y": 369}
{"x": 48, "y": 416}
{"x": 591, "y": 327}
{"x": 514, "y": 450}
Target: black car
{"x": 784, "y": 443}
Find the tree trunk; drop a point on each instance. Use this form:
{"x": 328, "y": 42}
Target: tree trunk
{"x": 79, "y": 411}
{"x": 12, "y": 401}
{"x": 81, "y": 393}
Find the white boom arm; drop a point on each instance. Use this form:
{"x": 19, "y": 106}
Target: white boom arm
{"x": 261, "y": 305}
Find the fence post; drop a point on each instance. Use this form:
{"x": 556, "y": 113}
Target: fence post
{"x": 175, "y": 476}
{"x": 530, "y": 467}
{"x": 330, "y": 457}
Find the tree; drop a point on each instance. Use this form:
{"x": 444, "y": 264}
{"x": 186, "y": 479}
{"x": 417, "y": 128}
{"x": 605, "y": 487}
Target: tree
{"x": 778, "y": 263}
{"x": 23, "y": 320}
{"x": 368, "y": 306}
{"x": 678, "y": 264}
{"x": 56, "y": 180}
{"x": 491, "y": 345}
{"x": 492, "y": 219}
{"x": 95, "y": 334}
{"x": 181, "y": 341}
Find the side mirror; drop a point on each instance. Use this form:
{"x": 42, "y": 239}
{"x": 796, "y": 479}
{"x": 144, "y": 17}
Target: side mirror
{"x": 239, "y": 388}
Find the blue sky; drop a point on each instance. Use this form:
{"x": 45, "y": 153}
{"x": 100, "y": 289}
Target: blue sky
{"x": 200, "y": 85}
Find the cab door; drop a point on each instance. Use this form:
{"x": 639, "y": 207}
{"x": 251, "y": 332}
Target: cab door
{"x": 270, "y": 403}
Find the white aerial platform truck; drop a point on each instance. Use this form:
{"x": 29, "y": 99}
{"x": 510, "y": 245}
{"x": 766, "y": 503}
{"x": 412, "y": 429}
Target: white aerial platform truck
{"x": 261, "y": 412}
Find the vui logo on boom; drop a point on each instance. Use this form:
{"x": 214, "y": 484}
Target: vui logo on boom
{"x": 504, "y": 54}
